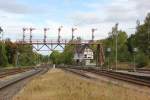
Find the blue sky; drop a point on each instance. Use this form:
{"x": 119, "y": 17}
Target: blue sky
{"x": 83, "y": 14}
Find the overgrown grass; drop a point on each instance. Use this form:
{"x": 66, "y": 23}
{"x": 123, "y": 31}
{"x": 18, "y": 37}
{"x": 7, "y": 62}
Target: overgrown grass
{"x": 57, "y": 85}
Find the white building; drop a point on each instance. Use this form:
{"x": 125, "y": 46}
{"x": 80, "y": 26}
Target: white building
{"x": 85, "y": 55}
{"x": 88, "y": 54}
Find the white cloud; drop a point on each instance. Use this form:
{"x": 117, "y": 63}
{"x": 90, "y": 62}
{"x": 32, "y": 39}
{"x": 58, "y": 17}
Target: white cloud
{"x": 82, "y": 18}
{"x": 13, "y": 7}
{"x": 115, "y": 11}
{"x": 18, "y": 8}
{"x": 125, "y": 12}
{"x": 103, "y": 17}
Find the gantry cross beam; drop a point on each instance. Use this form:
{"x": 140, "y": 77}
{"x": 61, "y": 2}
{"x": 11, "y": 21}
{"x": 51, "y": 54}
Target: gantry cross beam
{"x": 56, "y": 43}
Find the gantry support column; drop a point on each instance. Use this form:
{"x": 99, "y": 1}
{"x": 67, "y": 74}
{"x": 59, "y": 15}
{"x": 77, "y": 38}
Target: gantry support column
{"x": 100, "y": 55}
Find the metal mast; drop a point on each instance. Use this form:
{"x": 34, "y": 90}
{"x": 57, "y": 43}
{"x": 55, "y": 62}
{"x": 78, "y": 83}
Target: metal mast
{"x": 73, "y": 29}
{"x": 59, "y": 30}
{"x": 116, "y": 34}
{"x": 31, "y": 29}
{"x": 93, "y": 30}
{"x": 45, "y": 30}
{"x": 24, "y": 30}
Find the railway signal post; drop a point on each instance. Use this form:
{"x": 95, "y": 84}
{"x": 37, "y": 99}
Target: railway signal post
{"x": 93, "y": 30}
{"x": 45, "y": 37}
{"x": 24, "y": 31}
{"x": 59, "y": 30}
{"x": 31, "y": 29}
{"x": 73, "y": 29}
{"x": 134, "y": 59}
{"x": 1, "y": 33}
{"x": 109, "y": 51}
{"x": 116, "y": 35}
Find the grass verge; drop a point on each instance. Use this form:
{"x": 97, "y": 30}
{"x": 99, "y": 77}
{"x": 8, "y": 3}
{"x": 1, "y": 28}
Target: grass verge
{"x": 58, "y": 85}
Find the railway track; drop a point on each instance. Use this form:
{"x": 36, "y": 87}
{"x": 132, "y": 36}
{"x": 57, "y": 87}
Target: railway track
{"x": 25, "y": 75}
{"x": 12, "y": 86}
{"x": 8, "y": 72}
{"x": 146, "y": 71}
{"x": 138, "y": 80}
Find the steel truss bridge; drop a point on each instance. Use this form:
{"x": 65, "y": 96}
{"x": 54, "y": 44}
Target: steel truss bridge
{"x": 52, "y": 44}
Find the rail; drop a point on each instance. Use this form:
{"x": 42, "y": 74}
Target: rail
{"x": 135, "y": 79}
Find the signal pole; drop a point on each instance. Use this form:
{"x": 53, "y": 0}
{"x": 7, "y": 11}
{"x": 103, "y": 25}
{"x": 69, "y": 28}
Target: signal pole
{"x": 134, "y": 59}
{"x": 59, "y": 29}
{"x": 1, "y": 33}
{"x": 45, "y": 30}
{"x": 149, "y": 37}
{"x": 17, "y": 59}
{"x": 148, "y": 32}
{"x": 109, "y": 53}
{"x": 116, "y": 34}
{"x": 93, "y": 30}
{"x": 31, "y": 29}
{"x": 73, "y": 29}
{"x": 24, "y": 30}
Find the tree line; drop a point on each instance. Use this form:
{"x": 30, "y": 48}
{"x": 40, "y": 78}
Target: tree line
{"x": 12, "y": 54}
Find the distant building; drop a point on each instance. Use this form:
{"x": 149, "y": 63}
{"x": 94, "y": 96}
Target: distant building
{"x": 84, "y": 55}
{"x": 88, "y": 54}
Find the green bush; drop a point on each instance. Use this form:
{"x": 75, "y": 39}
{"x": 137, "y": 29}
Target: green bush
{"x": 3, "y": 57}
{"x": 142, "y": 60}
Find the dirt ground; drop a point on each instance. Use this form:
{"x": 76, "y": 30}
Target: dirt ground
{"x": 59, "y": 85}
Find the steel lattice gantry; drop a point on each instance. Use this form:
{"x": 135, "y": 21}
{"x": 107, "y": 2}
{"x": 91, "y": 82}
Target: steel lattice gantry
{"x": 52, "y": 44}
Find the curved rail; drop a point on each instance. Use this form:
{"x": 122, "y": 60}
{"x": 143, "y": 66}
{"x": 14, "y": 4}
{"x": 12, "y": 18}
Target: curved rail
{"x": 135, "y": 79}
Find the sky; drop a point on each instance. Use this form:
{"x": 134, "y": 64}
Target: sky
{"x": 82, "y": 14}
